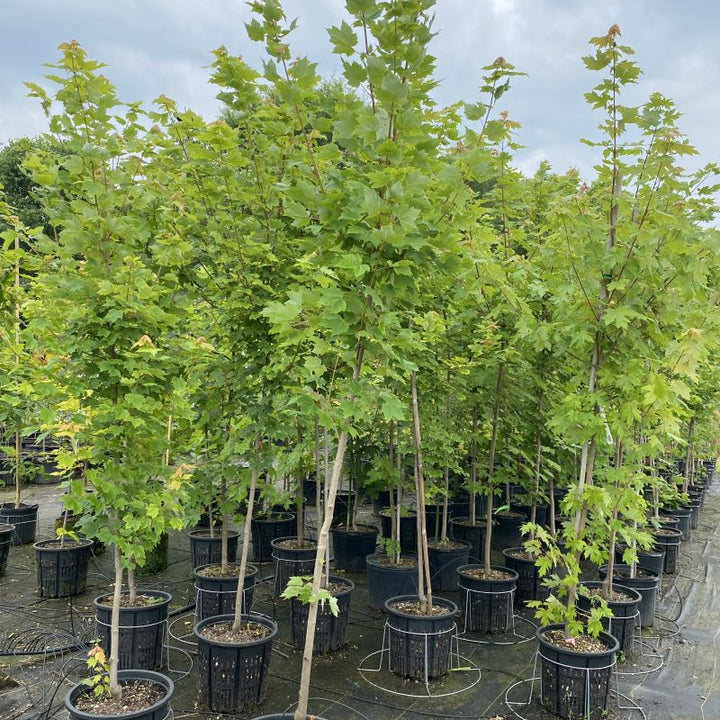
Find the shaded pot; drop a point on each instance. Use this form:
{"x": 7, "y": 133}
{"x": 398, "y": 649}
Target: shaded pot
{"x": 506, "y": 530}
{"x": 460, "y": 529}
{"x": 669, "y": 540}
{"x": 386, "y": 580}
{"x": 6, "y": 534}
{"x": 444, "y": 560}
{"x": 408, "y": 529}
{"x": 265, "y": 530}
{"x": 23, "y": 518}
{"x": 529, "y": 583}
{"x": 207, "y": 550}
{"x": 683, "y": 518}
{"x": 351, "y": 547}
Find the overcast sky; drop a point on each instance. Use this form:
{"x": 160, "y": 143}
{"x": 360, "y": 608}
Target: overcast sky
{"x": 155, "y": 47}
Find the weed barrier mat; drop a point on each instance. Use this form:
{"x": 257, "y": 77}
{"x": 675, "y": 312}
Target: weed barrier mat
{"x": 43, "y": 643}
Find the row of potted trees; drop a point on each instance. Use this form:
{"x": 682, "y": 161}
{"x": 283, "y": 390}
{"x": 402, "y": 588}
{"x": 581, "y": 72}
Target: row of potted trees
{"x": 214, "y": 306}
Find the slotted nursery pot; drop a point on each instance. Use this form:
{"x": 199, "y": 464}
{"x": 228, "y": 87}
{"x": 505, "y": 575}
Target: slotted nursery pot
{"x": 23, "y": 518}
{"x": 160, "y": 710}
{"x": 142, "y": 630}
{"x": 625, "y": 615}
{"x": 330, "y": 629}
{"x": 232, "y": 676}
{"x": 645, "y": 582}
{"x": 206, "y": 549}
{"x": 217, "y": 595}
{"x": 62, "y": 568}
{"x": 6, "y": 533}
{"x": 575, "y": 684}
{"x": 445, "y": 559}
{"x": 420, "y": 646}
{"x": 486, "y": 605}
{"x": 266, "y": 529}
{"x": 292, "y": 560}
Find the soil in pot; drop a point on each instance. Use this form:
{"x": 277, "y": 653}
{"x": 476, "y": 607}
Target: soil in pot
{"x": 388, "y": 579}
{"x": 351, "y": 547}
{"x": 446, "y": 556}
{"x": 62, "y": 567}
{"x": 330, "y": 630}
{"x": 486, "y": 602}
{"x": 420, "y": 643}
{"x": 233, "y": 667}
{"x": 266, "y": 529}
{"x": 6, "y": 533}
{"x": 206, "y": 548}
{"x": 23, "y": 518}
{"x": 575, "y": 676}
{"x": 147, "y": 693}
{"x": 683, "y": 517}
{"x": 217, "y": 592}
{"x": 529, "y": 583}
{"x": 142, "y": 628}
{"x": 292, "y": 558}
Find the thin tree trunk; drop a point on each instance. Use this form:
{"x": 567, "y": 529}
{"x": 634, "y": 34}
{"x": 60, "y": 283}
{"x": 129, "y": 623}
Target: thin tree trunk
{"x": 237, "y": 620}
{"x": 491, "y": 468}
{"x": 132, "y": 586}
{"x": 115, "y": 688}
{"x": 320, "y": 554}
{"x": 423, "y": 559}
{"x": 18, "y": 442}
{"x": 688, "y": 456}
{"x": 473, "y": 465}
{"x": 223, "y": 530}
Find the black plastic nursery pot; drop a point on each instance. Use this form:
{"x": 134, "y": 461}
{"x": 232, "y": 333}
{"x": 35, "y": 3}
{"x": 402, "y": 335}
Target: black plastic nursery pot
{"x": 529, "y": 583}
{"x": 683, "y": 518}
{"x": 625, "y": 615}
{"x": 382, "y": 501}
{"x": 62, "y": 569}
{"x": 506, "y": 530}
{"x": 693, "y": 506}
{"x": 158, "y": 711}
{"x": 653, "y": 560}
{"x": 330, "y": 630}
{"x": 542, "y": 512}
{"x": 207, "y": 550}
{"x": 216, "y": 595}
{"x": 408, "y": 529}
{"x": 445, "y": 559}
{"x": 420, "y": 646}
{"x": 156, "y": 560}
{"x": 291, "y": 561}
{"x": 23, "y": 518}
{"x": 461, "y": 529}
{"x": 646, "y": 582}
{"x": 386, "y": 580}
{"x": 669, "y": 540}
{"x": 486, "y": 605}
{"x": 232, "y": 676}
{"x": 351, "y": 547}
{"x": 265, "y": 530}
{"x": 6, "y": 534}
{"x": 142, "y": 630}
{"x": 575, "y": 684}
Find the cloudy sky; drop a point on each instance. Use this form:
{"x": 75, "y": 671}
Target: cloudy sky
{"x": 155, "y": 47}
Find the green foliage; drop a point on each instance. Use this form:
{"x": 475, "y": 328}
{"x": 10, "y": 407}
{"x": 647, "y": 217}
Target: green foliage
{"x": 300, "y": 587}
{"x": 99, "y": 667}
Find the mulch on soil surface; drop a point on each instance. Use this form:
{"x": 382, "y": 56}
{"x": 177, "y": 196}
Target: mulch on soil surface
{"x": 411, "y": 607}
{"x": 479, "y": 573}
{"x": 136, "y": 695}
{"x": 580, "y": 643}
{"x": 223, "y": 632}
